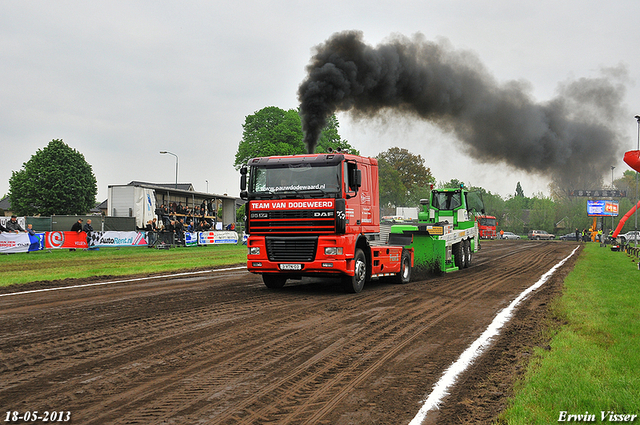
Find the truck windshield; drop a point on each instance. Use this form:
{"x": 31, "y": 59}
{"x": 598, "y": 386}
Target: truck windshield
{"x": 446, "y": 200}
{"x": 295, "y": 180}
{"x": 485, "y": 221}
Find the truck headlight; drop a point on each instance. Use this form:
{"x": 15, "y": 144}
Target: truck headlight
{"x": 333, "y": 250}
{"x": 254, "y": 250}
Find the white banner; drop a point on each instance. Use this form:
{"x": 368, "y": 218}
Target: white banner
{"x": 111, "y": 238}
{"x": 217, "y": 237}
{"x": 20, "y": 242}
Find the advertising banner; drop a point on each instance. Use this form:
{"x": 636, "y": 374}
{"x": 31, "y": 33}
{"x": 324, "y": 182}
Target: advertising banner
{"x": 602, "y": 208}
{"x": 112, "y": 238}
{"x": 190, "y": 239}
{"x": 63, "y": 240}
{"x": 217, "y": 237}
{"x": 20, "y": 242}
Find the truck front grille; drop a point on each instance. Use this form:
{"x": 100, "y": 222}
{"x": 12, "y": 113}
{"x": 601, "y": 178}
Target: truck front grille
{"x": 294, "y": 248}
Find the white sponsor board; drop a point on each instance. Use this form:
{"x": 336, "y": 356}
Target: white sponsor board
{"x": 20, "y": 242}
{"x": 217, "y": 237}
{"x": 112, "y": 238}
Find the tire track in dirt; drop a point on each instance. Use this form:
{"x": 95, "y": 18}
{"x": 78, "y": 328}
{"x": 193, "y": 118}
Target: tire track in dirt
{"x": 229, "y": 351}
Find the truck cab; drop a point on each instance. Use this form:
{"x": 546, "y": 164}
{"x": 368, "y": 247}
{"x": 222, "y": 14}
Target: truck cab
{"x": 446, "y": 235}
{"x": 315, "y": 215}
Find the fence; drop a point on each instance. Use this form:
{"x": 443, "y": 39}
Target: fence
{"x": 24, "y": 242}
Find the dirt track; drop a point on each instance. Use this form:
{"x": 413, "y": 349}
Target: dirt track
{"x": 221, "y": 348}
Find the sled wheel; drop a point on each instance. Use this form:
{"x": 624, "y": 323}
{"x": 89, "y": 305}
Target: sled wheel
{"x": 458, "y": 254}
{"x": 467, "y": 252}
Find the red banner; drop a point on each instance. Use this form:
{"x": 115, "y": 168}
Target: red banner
{"x": 66, "y": 240}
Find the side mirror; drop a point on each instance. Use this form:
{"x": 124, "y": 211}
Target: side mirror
{"x": 243, "y": 179}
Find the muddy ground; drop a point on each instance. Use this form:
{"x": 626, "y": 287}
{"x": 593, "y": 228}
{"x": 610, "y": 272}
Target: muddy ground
{"x": 220, "y": 348}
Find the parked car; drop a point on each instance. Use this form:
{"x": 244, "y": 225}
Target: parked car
{"x": 509, "y": 235}
{"x": 630, "y": 237}
{"x": 569, "y": 237}
{"x": 540, "y": 234}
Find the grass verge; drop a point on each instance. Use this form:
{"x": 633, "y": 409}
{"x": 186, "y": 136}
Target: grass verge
{"x": 593, "y": 367}
{"x": 62, "y": 264}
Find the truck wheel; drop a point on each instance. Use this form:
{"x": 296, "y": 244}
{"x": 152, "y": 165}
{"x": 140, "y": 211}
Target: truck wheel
{"x": 273, "y": 281}
{"x": 458, "y": 254}
{"x": 405, "y": 269}
{"x": 467, "y": 252}
{"x": 354, "y": 284}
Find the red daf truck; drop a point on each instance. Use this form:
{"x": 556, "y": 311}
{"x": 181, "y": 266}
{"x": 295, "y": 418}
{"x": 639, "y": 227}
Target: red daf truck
{"x": 318, "y": 215}
{"x": 487, "y": 226}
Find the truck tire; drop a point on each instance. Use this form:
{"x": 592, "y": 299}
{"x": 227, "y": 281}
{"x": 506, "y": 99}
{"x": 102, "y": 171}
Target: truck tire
{"x": 273, "y": 281}
{"x": 405, "y": 269}
{"x": 467, "y": 252}
{"x": 458, "y": 255}
{"x": 354, "y": 284}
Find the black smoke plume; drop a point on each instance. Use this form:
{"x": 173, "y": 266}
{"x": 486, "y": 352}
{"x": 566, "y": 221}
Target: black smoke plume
{"x": 572, "y": 138}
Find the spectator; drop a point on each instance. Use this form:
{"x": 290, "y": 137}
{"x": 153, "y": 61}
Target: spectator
{"x": 2, "y": 228}
{"x": 179, "y": 229}
{"x": 152, "y": 235}
{"x": 88, "y": 228}
{"x": 77, "y": 226}
{"x": 30, "y": 229}
{"x": 13, "y": 225}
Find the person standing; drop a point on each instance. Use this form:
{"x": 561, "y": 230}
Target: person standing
{"x": 13, "y": 225}
{"x": 88, "y": 229}
{"x": 77, "y": 226}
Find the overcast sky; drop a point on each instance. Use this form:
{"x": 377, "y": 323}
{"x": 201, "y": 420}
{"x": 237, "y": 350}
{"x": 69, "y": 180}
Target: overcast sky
{"x": 122, "y": 80}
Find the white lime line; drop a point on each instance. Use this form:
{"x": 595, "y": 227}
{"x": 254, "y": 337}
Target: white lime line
{"x": 123, "y": 281}
{"x": 448, "y": 379}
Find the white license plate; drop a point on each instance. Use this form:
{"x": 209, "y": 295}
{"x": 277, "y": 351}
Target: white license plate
{"x": 290, "y": 266}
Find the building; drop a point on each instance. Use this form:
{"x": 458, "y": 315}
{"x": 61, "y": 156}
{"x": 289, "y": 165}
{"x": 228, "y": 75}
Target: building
{"x": 170, "y": 194}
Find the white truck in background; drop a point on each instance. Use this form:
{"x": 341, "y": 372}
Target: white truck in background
{"x": 132, "y": 201}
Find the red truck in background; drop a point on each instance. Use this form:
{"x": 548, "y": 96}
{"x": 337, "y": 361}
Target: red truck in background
{"x": 318, "y": 215}
{"x": 487, "y": 226}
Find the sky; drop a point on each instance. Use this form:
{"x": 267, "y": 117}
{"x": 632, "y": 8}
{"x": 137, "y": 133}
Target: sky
{"x": 120, "y": 81}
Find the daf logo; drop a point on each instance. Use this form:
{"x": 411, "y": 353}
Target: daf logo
{"x": 323, "y": 214}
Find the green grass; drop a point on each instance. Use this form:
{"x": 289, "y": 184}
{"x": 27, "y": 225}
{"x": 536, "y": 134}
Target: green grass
{"x": 594, "y": 361}
{"x": 61, "y": 264}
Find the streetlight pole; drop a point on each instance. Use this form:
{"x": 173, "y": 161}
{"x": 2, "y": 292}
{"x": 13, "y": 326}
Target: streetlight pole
{"x": 171, "y": 153}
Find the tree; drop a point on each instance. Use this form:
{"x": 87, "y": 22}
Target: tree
{"x": 519, "y": 191}
{"x": 392, "y": 191}
{"x": 56, "y": 180}
{"x": 410, "y": 184}
{"x": 274, "y": 131}
{"x": 270, "y": 131}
